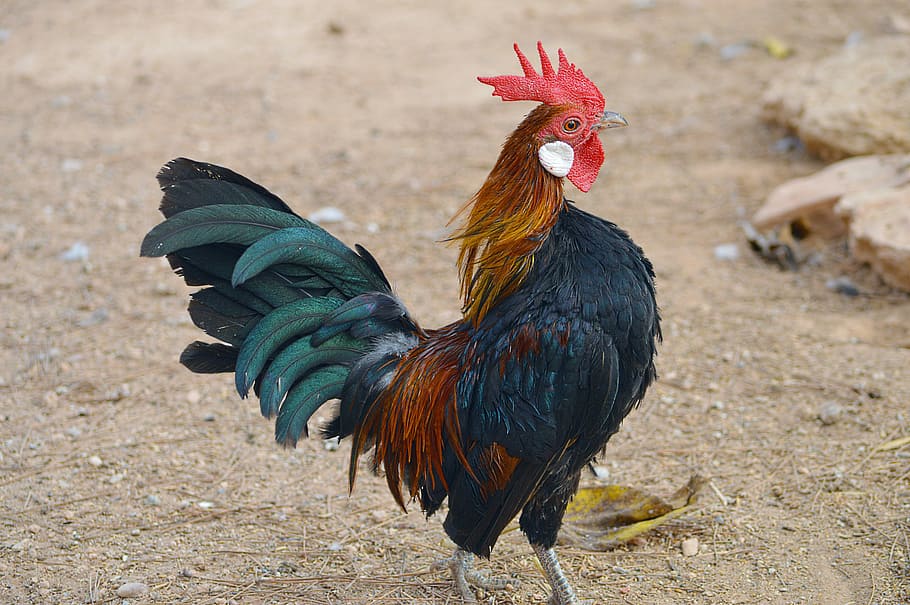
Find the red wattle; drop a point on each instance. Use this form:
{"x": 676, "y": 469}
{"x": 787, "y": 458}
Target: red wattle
{"x": 589, "y": 157}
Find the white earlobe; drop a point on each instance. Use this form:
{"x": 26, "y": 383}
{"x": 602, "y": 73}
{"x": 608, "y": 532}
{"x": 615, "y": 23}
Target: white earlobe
{"x": 556, "y": 158}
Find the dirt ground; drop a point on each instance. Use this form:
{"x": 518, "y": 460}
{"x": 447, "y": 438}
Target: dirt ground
{"x": 118, "y": 465}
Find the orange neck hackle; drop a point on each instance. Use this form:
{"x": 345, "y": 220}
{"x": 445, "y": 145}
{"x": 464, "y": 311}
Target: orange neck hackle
{"x": 507, "y": 219}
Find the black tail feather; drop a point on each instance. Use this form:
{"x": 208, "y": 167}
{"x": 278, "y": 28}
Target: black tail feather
{"x": 190, "y": 184}
{"x": 209, "y": 357}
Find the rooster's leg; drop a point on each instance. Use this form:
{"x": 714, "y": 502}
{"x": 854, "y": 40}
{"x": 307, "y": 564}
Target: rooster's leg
{"x": 461, "y": 564}
{"x": 562, "y": 591}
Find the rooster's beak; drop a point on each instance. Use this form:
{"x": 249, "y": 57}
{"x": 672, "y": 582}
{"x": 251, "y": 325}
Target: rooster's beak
{"x": 611, "y": 119}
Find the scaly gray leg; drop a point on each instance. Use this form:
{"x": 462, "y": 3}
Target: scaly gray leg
{"x": 461, "y": 564}
{"x": 562, "y": 591}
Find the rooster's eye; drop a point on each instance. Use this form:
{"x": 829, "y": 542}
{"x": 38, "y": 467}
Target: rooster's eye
{"x": 571, "y": 125}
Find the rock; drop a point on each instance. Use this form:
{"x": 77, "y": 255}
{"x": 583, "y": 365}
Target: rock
{"x": 21, "y": 545}
{"x": 726, "y": 252}
{"x": 830, "y": 413}
{"x": 733, "y": 51}
{"x": 842, "y": 285}
{"x": 855, "y": 102}
{"x": 193, "y": 397}
{"x": 131, "y": 590}
{"x": 77, "y": 252}
{"x": 600, "y": 471}
{"x": 689, "y": 547}
{"x": 812, "y": 198}
{"x": 71, "y": 165}
{"x": 329, "y": 214}
{"x": 880, "y": 232}
{"x": 95, "y": 461}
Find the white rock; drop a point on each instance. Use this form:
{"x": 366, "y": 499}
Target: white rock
{"x": 689, "y": 547}
{"x": 600, "y": 471}
{"x": 727, "y": 252}
{"x": 71, "y": 165}
{"x": 131, "y": 590}
{"x": 95, "y": 461}
{"x": 329, "y": 214}
{"x": 830, "y": 413}
{"x": 77, "y": 252}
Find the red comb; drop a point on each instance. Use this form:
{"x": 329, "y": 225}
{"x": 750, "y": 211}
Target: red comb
{"x": 567, "y": 85}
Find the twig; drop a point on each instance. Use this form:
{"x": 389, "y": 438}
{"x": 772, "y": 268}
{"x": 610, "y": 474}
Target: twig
{"x": 720, "y": 495}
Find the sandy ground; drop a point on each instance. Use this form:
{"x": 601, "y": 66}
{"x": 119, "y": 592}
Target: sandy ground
{"x": 117, "y": 465}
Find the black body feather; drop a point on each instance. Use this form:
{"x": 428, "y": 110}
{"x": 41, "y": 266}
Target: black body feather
{"x": 589, "y": 305}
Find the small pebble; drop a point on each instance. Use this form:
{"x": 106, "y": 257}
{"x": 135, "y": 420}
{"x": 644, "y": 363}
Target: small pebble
{"x": 842, "y": 285}
{"x": 77, "y": 252}
{"x": 335, "y": 546}
{"x": 330, "y": 445}
{"x": 727, "y": 252}
{"x": 205, "y": 504}
{"x": 854, "y": 38}
{"x": 131, "y": 590}
{"x": 705, "y": 40}
{"x": 209, "y": 417}
{"x": 187, "y": 573}
{"x": 194, "y": 397}
{"x": 95, "y": 461}
{"x": 20, "y": 546}
{"x": 94, "y": 318}
{"x": 71, "y": 165}
{"x": 732, "y": 51}
{"x": 329, "y": 214}
{"x": 152, "y": 500}
{"x": 600, "y": 471}
{"x": 134, "y": 532}
{"x": 690, "y": 547}
{"x": 830, "y": 413}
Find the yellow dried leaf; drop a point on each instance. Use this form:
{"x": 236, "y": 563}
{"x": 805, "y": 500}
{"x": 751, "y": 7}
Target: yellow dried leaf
{"x": 599, "y": 518}
{"x": 777, "y": 48}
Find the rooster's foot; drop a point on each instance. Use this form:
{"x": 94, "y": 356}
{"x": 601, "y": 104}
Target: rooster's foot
{"x": 562, "y": 591}
{"x": 461, "y": 564}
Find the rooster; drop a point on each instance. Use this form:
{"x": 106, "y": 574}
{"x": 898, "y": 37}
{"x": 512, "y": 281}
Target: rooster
{"x": 498, "y": 412}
